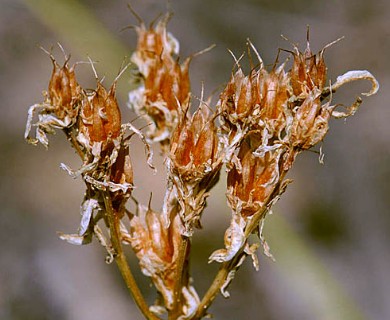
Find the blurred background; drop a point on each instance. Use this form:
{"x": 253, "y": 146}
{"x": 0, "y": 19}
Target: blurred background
{"x": 330, "y": 232}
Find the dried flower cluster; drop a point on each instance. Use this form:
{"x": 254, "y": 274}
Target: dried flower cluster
{"x": 266, "y": 118}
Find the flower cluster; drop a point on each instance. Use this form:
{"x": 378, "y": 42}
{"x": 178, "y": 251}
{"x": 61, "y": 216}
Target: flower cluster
{"x": 266, "y": 118}
{"x": 91, "y": 120}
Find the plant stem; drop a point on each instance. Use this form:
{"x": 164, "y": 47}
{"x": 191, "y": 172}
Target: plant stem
{"x": 213, "y": 290}
{"x": 120, "y": 259}
{"x": 179, "y": 278}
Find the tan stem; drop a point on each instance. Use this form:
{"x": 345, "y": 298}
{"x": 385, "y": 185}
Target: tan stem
{"x": 120, "y": 259}
{"x": 213, "y": 290}
{"x": 179, "y": 278}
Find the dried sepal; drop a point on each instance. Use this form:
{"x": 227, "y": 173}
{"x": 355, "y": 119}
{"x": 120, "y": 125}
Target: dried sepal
{"x": 351, "y": 76}
{"x": 249, "y": 250}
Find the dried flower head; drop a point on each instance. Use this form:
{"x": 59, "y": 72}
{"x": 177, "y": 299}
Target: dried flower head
{"x": 266, "y": 119}
{"x": 194, "y": 164}
{"x": 166, "y": 82}
{"x": 61, "y": 105}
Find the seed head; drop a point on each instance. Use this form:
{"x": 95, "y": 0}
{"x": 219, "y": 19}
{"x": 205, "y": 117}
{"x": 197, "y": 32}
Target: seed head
{"x": 194, "y": 145}
{"x": 64, "y": 93}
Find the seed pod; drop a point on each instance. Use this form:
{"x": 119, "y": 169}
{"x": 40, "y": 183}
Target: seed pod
{"x": 157, "y": 248}
{"x": 166, "y": 84}
{"x": 194, "y": 163}
{"x": 308, "y": 71}
{"x": 61, "y": 107}
{"x": 310, "y": 123}
{"x": 239, "y": 98}
{"x": 250, "y": 185}
{"x": 63, "y": 90}
{"x": 194, "y": 145}
{"x": 100, "y": 116}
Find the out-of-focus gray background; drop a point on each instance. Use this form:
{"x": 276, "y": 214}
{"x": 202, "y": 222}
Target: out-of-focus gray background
{"x": 338, "y": 211}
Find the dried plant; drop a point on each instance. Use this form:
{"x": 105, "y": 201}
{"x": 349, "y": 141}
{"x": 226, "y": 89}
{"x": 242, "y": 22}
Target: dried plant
{"x": 266, "y": 118}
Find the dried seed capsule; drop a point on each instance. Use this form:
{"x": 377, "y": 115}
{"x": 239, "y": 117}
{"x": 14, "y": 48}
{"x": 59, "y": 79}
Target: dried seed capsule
{"x": 165, "y": 86}
{"x": 157, "y": 248}
{"x": 308, "y": 71}
{"x": 63, "y": 90}
{"x": 100, "y": 116}
{"x": 310, "y": 123}
{"x": 61, "y": 107}
{"x": 250, "y": 185}
{"x": 194, "y": 164}
{"x": 194, "y": 145}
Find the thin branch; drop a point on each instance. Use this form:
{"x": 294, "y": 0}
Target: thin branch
{"x": 120, "y": 259}
{"x": 179, "y": 278}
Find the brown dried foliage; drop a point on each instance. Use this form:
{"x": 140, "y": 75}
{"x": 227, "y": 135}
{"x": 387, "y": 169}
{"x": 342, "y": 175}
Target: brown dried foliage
{"x": 266, "y": 119}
